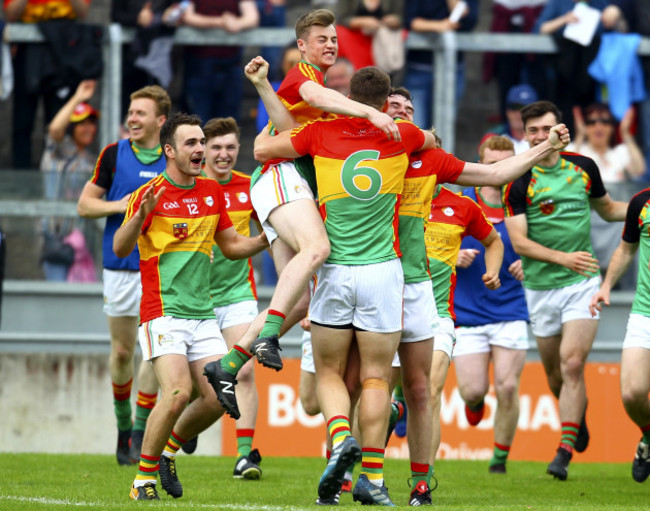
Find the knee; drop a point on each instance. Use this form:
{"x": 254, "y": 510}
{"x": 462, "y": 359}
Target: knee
{"x": 418, "y": 394}
{"x": 309, "y": 403}
{"x": 507, "y": 391}
{"x": 318, "y": 252}
{"x": 473, "y": 395}
{"x": 121, "y": 354}
{"x": 246, "y": 374}
{"x": 633, "y": 395}
{"x": 178, "y": 399}
{"x": 572, "y": 367}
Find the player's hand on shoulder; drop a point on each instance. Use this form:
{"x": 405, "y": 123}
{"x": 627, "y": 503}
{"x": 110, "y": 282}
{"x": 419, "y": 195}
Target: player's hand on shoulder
{"x": 386, "y": 124}
{"x": 559, "y": 137}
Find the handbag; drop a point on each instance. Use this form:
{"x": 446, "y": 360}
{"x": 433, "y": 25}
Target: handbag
{"x": 56, "y": 250}
{"x": 388, "y": 49}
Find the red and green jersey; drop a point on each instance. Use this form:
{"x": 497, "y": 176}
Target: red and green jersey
{"x": 45, "y": 10}
{"x": 452, "y": 217}
{"x": 637, "y": 230}
{"x": 233, "y": 281}
{"x": 175, "y": 246}
{"x": 555, "y": 201}
{"x": 426, "y": 168}
{"x": 360, "y": 176}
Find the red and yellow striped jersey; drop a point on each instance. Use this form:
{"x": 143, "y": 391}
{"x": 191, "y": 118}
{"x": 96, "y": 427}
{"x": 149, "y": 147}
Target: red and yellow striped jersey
{"x": 175, "y": 245}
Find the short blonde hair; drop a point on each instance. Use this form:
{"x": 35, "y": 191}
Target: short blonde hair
{"x": 496, "y": 143}
{"x": 158, "y": 95}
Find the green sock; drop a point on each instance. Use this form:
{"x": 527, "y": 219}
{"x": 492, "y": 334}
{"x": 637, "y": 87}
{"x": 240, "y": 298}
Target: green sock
{"x": 122, "y": 405}
{"x": 419, "y": 472}
{"x": 430, "y": 475}
{"x": 235, "y": 359}
{"x": 143, "y": 407}
{"x": 244, "y": 442}
{"x": 272, "y": 324}
{"x": 500, "y": 454}
{"x": 646, "y": 434}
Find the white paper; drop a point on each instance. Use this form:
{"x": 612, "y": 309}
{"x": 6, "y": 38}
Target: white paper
{"x": 458, "y": 11}
{"x": 582, "y": 32}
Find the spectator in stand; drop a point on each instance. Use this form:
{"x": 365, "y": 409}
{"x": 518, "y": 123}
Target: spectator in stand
{"x": 273, "y": 13}
{"x": 510, "y": 69}
{"x": 357, "y": 23}
{"x": 573, "y": 84}
{"x": 67, "y": 164}
{"x": 518, "y": 97}
{"x": 28, "y": 91}
{"x": 339, "y": 75}
{"x": 595, "y": 137}
{"x": 432, "y": 16}
{"x": 213, "y": 75}
{"x": 139, "y": 14}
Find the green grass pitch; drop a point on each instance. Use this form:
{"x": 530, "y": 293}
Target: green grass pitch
{"x": 45, "y": 481}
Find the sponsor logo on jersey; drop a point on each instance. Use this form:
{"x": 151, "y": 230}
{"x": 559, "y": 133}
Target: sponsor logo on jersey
{"x": 170, "y": 205}
{"x": 242, "y": 197}
{"x": 148, "y": 174}
{"x": 191, "y": 199}
{"x": 209, "y": 200}
{"x": 448, "y": 211}
{"x": 416, "y": 164}
{"x": 547, "y": 207}
{"x": 180, "y": 231}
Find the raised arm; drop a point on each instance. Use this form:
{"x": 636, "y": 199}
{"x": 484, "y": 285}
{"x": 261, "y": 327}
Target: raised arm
{"x": 61, "y": 120}
{"x": 127, "y": 235}
{"x": 579, "y": 262}
{"x": 505, "y": 171}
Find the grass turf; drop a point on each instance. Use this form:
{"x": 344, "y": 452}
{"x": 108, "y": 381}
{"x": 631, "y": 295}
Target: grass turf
{"x": 44, "y": 481}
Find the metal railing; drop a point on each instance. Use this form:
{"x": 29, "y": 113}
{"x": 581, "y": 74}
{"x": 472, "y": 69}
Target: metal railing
{"x": 445, "y": 49}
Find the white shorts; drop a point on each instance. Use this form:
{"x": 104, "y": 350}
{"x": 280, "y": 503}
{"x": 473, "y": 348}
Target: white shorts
{"x": 420, "y": 313}
{"x": 194, "y": 338}
{"x": 307, "y": 358}
{"x": 512, "y": 335}
{"x": 637, "y": 334}
{"x": 122, "y": 292}
{"x": 444, "y": 337}
{"x": 280, "y": 184}
{"x": 550, "y": 308}
{"x": 366, "y": 297}
{"x": 239, "y": 313}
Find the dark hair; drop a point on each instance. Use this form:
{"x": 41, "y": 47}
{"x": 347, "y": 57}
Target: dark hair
{"x": 158, "y": 95}
{"x": 400, "y": 91}
{"x": 598, "y": 108}
{"x": 317, "y": 18}
{"x": 168, "y": 129}
{"x": 370, "y": 86}
{"x": 539, "y": 108}
{"x": 220, "y": 126}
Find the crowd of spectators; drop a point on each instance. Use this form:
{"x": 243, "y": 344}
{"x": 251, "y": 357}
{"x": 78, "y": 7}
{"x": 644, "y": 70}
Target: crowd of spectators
{"x": 211, "y": 84}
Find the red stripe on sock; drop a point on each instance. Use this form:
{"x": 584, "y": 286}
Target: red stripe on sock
{"x": 273, "y": 312}
{"x": 645, "y": 428}
{"x": 336, "y": 417}
{"x": 177, "y": 438}
{"x": 371, "y": 449}
{"x": 421, "y": 468}
{"x": 242, "y": 351}
{"x": 150, "y": 458}
{"x": 570, "y": 425}
{"x": 566, "y": 447}
{"x": 502, "y": 447}
{"x": 245, "y": 432}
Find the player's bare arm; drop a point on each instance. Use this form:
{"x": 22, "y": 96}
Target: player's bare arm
{"x": 268, "y": 147}
{"x": 91, "y": 203}
{"x": 608, "y": 209}
{"x": 235, "y": 246}
{"x": 509, "y": 169}
{"x": 126, "y": 236}
{"x": 257, "y": 72}
{"x": 493, "y": 259}
{"x": 580, "y": 262}
{"x": 621, "y": 259}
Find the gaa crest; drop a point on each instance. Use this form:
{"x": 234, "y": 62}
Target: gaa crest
{"x": 180, "y": 231}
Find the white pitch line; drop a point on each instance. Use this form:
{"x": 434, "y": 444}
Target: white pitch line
{"x": 65, "y": 502}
